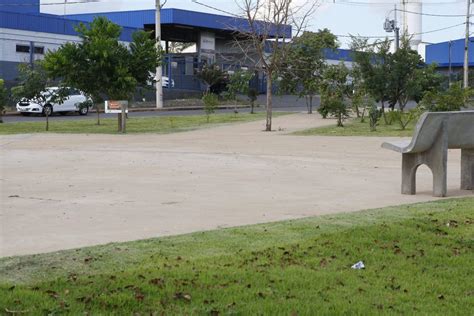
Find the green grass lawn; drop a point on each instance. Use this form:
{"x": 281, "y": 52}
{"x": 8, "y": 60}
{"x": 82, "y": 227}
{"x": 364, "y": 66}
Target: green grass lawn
{"x": 354, "y": 127}
{"x": 157, "y": 124}
{"x": 419, "y": 260}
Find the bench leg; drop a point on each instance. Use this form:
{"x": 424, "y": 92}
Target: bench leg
{"x": 436, "y": 158}
{"x": 467, "y": 169}
{"x": 409, "y": 166}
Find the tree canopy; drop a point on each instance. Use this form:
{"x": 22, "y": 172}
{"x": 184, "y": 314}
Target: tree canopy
{"x": 101, "y": 65}
{"x": 305, "y": 64}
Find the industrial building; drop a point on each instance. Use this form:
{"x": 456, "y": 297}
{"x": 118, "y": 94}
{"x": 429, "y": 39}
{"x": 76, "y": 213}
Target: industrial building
{"x": 449, "y": 58}
{"x": 26, "y": 35}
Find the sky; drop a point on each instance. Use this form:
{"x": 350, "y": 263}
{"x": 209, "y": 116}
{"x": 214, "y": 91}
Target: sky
{"x": 342, "y": 17}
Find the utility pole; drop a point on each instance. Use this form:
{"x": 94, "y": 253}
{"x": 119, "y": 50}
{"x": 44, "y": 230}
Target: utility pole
{"x": 449, "y": 60}
{"x": 391, "y": 26}
{"x": 159, "y": 71}
{"x": 466, "y": 47}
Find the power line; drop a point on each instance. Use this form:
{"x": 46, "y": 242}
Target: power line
{"x": 214, "y": 8}
{"x": 431, "y": 14}
{"x": 391, "y": 36}
{"x": 441, "y": 29}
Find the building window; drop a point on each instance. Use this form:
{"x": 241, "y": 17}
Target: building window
{"x": 26, "y": 49}
{"x": 22, "y": 48}
{"x": 39, "y": 50}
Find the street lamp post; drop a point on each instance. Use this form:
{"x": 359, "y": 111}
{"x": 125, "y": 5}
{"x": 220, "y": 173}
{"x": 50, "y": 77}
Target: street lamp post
{"x": 159, "y": 70}
{"x": 466, "y": 46}
{"x": 449, "y": 60}
{"x": 391, "y": 26}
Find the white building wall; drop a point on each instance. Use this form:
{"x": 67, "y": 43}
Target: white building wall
{"x": 9, "y": 38}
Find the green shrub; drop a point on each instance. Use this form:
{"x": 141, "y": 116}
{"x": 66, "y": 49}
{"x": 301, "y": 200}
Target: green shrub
{"x": 210, "y": 103}
{"x": 453, "y": 99}
{"x": 252, "y": 94}
{"x": 3, "y": 98}
{"x": 374, "y": 116}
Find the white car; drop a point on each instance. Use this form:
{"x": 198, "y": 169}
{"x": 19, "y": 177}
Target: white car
{"x": 44, "y": 105}
{"x": 165, "y": 82}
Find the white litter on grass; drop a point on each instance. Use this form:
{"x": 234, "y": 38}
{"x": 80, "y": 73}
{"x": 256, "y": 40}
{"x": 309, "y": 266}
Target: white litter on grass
{"x": 358, "y": 266}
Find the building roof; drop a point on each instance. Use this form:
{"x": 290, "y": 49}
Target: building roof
{"x": 23, "y": 6}
{"x": 338, "y": 54}
{"x": 440, "y": 53}
{"x": 221, "y": 23}
{"x": 48, "y": 23}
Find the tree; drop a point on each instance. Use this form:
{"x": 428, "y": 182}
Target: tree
{"x": 3, "y": 98}
{"x": 408, "y": 76}
{"x": 372, "y": 61}
{"x": 265, "y": 39}
{"x": 361, "y": 101}
{"x": 239, "y": 84}
{"x": 395, "y": 77}
{"x": 302, "y": 73}
{"x": 210, "y": 103}
{"x": 33, "y": 81}
{"x": 252, "y": 94}
{"x": 335, "y": 88}
{"x": 211, "y": 75}
{"x": 100, "y": 65}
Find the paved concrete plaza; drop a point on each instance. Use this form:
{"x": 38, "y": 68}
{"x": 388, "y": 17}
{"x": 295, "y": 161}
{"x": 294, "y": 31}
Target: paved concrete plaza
{"x": 67, "y": 191}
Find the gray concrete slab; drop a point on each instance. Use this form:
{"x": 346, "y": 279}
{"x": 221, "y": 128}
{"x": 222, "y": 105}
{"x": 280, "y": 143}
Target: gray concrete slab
{"x": 67, "y": 191}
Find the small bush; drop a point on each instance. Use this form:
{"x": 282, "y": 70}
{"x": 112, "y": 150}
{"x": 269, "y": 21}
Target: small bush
{"x": 210, "y": 103}
{"x": 374, "y": 117}
{"x": 252, "y": 94}
{"x": 453, "y": 99}
{"x": 3, "y": 98}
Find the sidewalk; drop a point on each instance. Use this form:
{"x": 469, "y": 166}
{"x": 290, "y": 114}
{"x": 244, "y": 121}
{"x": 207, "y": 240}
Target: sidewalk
{"x": 181, "y": 108}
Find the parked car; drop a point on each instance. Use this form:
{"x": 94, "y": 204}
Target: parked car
{"x": 165, "y": 82}
{"x": 75, "y": 101}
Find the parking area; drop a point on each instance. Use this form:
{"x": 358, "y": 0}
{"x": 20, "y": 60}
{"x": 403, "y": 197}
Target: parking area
{"x": 67, "y": 191}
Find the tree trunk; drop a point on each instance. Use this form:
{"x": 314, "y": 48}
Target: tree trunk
{"x": 98, "y": 113}
{"x": 47, "y": 121}
{"x": 310, "y": 105}
{"x": 269, "y": 103}
{"x": 383, "y": 113}
{"x": 252, "y": 104}
{"x": 339, "y": 120}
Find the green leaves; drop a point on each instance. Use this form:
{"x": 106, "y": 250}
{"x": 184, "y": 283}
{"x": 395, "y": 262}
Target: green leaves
{"x": 101, "y": 65}
{"x": 302, "y": 73}
{"x": 32, "y": 81}
{"x": 239, "y": 83}
{"x": 453, "y": 99}
{"x": 210, "y": 103}
{"x": 334, "y": 88}
{"x": 3, "y": 98}
{"x": 211, "y": 75}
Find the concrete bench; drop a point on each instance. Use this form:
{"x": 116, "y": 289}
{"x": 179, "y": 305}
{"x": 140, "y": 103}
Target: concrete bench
{"x": 435, "y": 132}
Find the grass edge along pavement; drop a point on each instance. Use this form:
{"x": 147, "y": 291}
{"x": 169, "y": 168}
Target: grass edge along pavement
{"x": 353, "y": 127}
{"x": 418, "y": 259}
{"x": 156, "y": 124}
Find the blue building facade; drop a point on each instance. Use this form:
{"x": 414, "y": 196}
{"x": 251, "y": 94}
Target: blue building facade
{"x": 27, "y": 34}
{"x": 450, "y": 53}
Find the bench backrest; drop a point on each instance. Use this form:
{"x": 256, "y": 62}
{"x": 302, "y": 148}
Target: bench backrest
{"x": 459, "y": 125}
